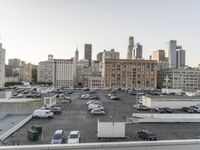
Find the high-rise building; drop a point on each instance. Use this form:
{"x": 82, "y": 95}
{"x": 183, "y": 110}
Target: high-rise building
{"x": 76, "y": 58}
{"x": 2, "y": 66}
{"x": 63, "y": 73}
{"x": 138, "y": 51}
{"x": 171, "y": 48}
{"x": 45, "y": 71}
{"x": 131, "y": 52}
{"x": 130, "y": 73}
{"x": 88, "y": 53}
{"x": 158, "y": 55}
{"x": 100, "y": 56}
{"x": 180, "y": 58}
{"x": 15, "y": 63}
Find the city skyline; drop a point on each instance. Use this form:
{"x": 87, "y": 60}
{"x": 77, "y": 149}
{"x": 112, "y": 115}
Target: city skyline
{"x": 34, "y": 29}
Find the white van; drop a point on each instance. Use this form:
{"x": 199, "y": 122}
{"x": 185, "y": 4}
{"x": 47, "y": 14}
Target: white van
{"x": 39, "y": 113}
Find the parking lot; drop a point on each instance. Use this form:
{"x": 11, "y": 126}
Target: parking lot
{"x": 75, "y": 116}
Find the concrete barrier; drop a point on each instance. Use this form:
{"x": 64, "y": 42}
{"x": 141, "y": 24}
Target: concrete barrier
{"x": 144, "y": 117}
{"x": 15, "y": 128}
{"x": 143, "y": 145}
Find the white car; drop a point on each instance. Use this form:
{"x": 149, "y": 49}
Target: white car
{"x": 85, "y": 96}
{"x": 97, "y": 112}
{"x": 95, "y": 106}
{"x": 93, "y": 102}
{"x": 67, "y": 97}
{"x": 74, "y": 137}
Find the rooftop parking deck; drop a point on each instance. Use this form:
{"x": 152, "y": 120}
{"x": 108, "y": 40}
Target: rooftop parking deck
{"x": 75, "y": 116}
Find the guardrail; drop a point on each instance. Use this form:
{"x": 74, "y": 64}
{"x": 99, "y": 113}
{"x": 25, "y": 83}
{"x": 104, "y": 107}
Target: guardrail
{"x": 15, "y": 128}
{"x": 192, "y": 144}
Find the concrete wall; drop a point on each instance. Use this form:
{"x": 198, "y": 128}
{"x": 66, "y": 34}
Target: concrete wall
{"x": 171, "y": 102}
{"x": 19, "y": 107}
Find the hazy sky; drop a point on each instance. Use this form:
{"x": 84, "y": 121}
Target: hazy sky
{"x": 32, "y": 29}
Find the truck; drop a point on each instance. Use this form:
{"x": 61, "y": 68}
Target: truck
{"x": 110, "y": 129}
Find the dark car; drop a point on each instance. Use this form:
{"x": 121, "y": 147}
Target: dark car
{"x": 160, "y": 110}
{"x": 168, "y": 110}
{"x": 188, "y": 109}
{"x": 94, "y": 98}
{"x": 147, "y": 135}
{"x": 56, "y": 110}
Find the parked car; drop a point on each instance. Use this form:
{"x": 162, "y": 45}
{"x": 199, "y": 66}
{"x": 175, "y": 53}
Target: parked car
{"x": 61, "y": 96}
{"x": 160, "y": 110}
{"x": 74, "y": 137}
{"x": 56, "y": 110}
{"x": 58, "y": 137}
{"x": 97, "y": 112}
{"x": 114, "y": 97}
{"x": 95, "y": 106}
{"x": 94, "y": 102}
{"x": 41, "y": 113}
{"x": 94, "y": 98}
{"x": 188, "y": 109}
{"x": 195, "y": 108}
{"x": 147, "y": 135}
{"x": 142, "y": 108}
{"x": 67, "y": 97}
{"x": 85, "y": 96}
{"x": 109, "y": 95}
{"x": 168, "y": 110}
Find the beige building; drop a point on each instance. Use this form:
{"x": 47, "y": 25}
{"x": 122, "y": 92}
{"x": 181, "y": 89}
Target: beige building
{"x": 96, "y": 82}
{"x": 130, "y": 73}
{"x": 187, "y": 79}
{"x": 158, "y": 55}
{"x": 63, "y": 73}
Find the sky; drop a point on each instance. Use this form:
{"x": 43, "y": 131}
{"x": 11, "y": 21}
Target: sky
{"x": 32, "y": 29}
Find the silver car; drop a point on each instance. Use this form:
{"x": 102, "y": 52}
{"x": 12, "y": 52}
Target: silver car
{"x": 97, "y": 112}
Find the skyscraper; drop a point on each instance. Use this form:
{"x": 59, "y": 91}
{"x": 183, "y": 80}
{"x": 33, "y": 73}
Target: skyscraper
{"x": 2, "y": 66}
{"x": 130, "y": 52}
{"x": 88, "y": 53}
{"x": 76, "y": 56}
{"x": 138, "y": 51}
{"x": 171, "y": 48}
{"x": 180, "y": 58}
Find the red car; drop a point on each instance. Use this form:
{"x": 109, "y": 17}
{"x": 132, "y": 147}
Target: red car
{"x": 188, "y": 109}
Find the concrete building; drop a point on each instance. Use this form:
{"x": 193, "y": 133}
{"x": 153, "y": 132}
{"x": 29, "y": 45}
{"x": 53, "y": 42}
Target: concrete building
{"x": 112, "y": 54}
{"x": 95, "y": 66}
{"x": 84, "y": 62}
{"x": 100, "y": 56}
{"x": 187, "y": 79}
{"x": 174, "y": 102}
{"x": 8, "y": 71}
{"x": 95, "y": 82}
{"x": 158, "y": 55}
{"x": 2, "y": 66}
{"x": 138, "y": 51}
{"x": 171, "y": 48}
{"x": 63, "y": 73}
{"x": 88, "y": 53}
{"x": 130, "y": 73}
{"x": 130, "y": 52}
{"x": 45, "y": 71}
{"x": 34, "y": 73}
{"x": 15, "y": 63}
{"x": 180, "y": 58}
